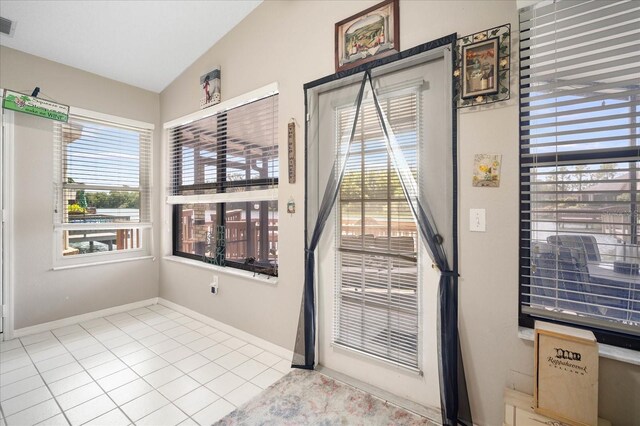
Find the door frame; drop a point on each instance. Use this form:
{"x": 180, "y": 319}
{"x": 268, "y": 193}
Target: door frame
{"x": 7, "y": 203}
{"x": 440, "y": 47}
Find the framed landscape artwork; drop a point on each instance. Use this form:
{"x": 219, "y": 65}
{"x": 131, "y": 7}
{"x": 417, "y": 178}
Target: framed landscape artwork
{"x": 371, "y": 34}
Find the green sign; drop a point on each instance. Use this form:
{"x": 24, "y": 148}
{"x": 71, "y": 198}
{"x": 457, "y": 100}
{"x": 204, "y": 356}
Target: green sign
{"x": 15, "y": 101}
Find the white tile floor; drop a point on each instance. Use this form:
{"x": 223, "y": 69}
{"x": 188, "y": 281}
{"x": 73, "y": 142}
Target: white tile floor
{"x": 149, "y": 366}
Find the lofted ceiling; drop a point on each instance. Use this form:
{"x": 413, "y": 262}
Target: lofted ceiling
{"x": 146, "y": 44}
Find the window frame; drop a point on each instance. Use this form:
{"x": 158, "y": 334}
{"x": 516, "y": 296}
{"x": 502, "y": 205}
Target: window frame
{"x": 221, "y": 184}
{"x": 573, "y": 158}
{"x": 146, "y": 184}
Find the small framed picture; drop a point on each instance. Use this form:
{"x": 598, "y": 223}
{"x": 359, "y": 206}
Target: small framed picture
{"x": 371, "y": 34}
{"x": 480, "y": 68}
{"x": 486, "y": 170}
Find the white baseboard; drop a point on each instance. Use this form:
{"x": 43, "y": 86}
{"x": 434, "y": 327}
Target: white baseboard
{"x": 247, "y": 337}
{"x": 52, "y": 325}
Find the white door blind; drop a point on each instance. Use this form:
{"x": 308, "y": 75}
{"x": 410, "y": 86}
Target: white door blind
{"x": 377, "y": 309}
{"x": 580, "y": 159}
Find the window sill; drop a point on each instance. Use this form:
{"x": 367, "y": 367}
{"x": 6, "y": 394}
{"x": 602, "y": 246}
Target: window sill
{"x": 265, "y": 279}
{"x": 104, "y": 262}
{"x": 606, "y": 351}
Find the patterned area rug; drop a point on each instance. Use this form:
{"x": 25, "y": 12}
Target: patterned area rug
{"x": 309, "y": 398}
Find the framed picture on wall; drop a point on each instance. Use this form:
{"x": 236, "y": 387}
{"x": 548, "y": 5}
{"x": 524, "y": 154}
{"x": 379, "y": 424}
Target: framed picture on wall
{"x": 371, "y": 34}
{"x": 480, "y": 68}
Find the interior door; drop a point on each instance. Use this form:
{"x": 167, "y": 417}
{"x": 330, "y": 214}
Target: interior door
{"x": 415, "y": 380}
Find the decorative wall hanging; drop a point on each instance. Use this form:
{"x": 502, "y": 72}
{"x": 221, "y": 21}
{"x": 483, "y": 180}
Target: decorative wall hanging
{"x": 371, "y": 34}
{"x": 486, "y": 170}
{"x": 33, "y": 105}
{"x": 482, "y": 70}
{"x": 210, "y": 84}
{"x": 291, "y": 151}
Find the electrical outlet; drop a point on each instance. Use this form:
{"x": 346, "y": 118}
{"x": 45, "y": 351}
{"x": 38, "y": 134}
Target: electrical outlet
{"x": 214, "y": 285}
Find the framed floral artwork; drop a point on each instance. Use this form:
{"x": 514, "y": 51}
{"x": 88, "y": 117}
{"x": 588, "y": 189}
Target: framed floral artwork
{"x": 486, "y": 170}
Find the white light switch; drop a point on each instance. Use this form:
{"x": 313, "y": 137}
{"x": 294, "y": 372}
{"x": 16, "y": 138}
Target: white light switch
{"x": 477, "y": 221}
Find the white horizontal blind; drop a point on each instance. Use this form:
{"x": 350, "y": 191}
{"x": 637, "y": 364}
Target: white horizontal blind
{"x": 102, "y": 178}
{"x": 102, "y": 169}
{"x": 234, "y": 150}
{"x": 580, "y": 159}
{"x": 377, "y": 309}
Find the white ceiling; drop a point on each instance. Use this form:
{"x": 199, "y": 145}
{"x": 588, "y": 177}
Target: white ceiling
{"x": 143, "y": 43}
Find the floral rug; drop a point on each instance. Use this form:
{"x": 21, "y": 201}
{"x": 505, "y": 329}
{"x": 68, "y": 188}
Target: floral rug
{"x": 305, "y": 397}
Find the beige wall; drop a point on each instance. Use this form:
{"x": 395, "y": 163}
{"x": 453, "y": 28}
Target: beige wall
{"x": 40, "y": 294}
{"x": 291, "y": 42}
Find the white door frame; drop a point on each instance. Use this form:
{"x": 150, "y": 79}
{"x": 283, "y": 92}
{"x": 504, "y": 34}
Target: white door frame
{"x": 419, "y": 387}
{"x": 7, "y": 203}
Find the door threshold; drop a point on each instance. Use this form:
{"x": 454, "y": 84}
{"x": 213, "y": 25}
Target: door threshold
{"x": 430, "y": 413}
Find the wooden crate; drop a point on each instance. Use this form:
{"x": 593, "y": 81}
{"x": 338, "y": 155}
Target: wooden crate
{"x": 518, "y": 411}
{"x": 566, "y": 374}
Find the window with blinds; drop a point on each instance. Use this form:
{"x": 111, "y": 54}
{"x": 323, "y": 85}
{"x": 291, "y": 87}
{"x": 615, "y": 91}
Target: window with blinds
{"x": 377, "y": 294}
{"x": 580, "y": 166}
{"x": 102, "y": 174}
{"x": 224, "y": 179}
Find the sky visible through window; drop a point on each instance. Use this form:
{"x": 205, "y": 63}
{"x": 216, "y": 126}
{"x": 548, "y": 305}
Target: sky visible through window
{"x": 104, "y": 156}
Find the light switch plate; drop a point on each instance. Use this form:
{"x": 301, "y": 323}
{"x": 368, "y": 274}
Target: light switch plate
{"x": 477, "y": 221}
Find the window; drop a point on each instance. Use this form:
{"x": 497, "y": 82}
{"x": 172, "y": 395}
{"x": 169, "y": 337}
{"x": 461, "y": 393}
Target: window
{"x": 377, "y": 297}
{"x": 224, "y": 179}
{"x": 102, "y": 175}
{"x": 580, "y": 167}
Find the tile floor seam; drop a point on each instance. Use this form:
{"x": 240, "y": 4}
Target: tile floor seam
{"x": 102, "y": 326}
{"x": 93, "y": 381}
{"x": 141, "y": 377}
{"x": 71, "y": 390}
{"x": 118, "y": 407}
{"x": 2, "y": 415}
{"x": 46, "y": 385}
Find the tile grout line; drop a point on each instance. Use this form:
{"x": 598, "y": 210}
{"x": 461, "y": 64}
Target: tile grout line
{"x": 137, "y": 340}
{"x": 45, "y": 383}
{"x": 172, "y": 364}
{"x": 136, "y": 373}
{"x": 187, "y": 374}
{"x": 156, "y": 354}
{"x": 119, "y": 407}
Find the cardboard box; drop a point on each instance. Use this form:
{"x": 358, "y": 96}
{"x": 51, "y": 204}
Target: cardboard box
{"x": 566, "y": 374}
